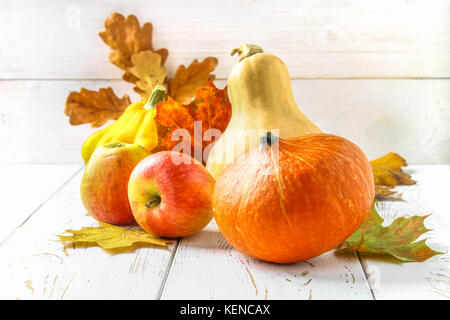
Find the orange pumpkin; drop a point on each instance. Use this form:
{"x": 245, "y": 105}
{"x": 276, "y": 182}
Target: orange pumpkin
{"x": 290, "y": 200}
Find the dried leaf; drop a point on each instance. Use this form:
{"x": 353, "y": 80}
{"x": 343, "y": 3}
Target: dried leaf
{"x": 396, "y": 240}
{"x": 386, "y": 193}
{"x": 95, "y": 107}
{"x": 211, "y": 106}
{"x": 388, "y": 171}
{"x": 187, "y": 81}
{"x": 126, "y": 38}
{"x": 109, "y": 236}
{"x": 148, "y": 70}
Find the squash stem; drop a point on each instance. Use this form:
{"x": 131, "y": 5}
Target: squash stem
{"x": 267, "y": 139}
{"x": 157, "y": 96}
{"x": 246, "y": 50}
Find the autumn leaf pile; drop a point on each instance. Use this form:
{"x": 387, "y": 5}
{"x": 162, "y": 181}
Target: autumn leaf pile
{"x": 192, "y": 97}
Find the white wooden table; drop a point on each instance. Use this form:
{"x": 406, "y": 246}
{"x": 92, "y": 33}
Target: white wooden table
{"x": 364, "y": 70}
{"x": 44, "y": 200}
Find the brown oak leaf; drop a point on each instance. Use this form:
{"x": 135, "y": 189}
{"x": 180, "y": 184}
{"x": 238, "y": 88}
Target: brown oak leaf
{"x": 126, "y": 38}
{"x": 95, "y": 107}
{"x": 187, "y": 81}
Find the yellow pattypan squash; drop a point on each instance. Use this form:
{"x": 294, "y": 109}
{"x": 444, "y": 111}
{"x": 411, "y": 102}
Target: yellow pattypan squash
{"x": 136, "y": 125}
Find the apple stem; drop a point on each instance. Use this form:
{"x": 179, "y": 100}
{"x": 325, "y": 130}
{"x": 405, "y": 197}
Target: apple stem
{"x": 153, "y": 202}
{"x": 157, "y": 96}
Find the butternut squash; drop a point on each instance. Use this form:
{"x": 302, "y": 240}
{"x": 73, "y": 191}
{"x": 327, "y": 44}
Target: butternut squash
{"x": 262, "y": 100}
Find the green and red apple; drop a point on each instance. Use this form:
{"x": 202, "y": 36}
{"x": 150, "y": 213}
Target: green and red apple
{"x": 104, "y": 187}
{"x": 171, "y": 194}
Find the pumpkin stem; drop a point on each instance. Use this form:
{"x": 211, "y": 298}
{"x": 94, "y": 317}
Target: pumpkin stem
{"x": 267, "y": 139}
{"x": 157, "y": 96}
{"x": 246, "y": 50}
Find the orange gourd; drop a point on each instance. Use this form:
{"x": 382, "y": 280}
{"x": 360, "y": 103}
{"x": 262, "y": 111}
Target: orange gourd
{"x": 290, "y": 200}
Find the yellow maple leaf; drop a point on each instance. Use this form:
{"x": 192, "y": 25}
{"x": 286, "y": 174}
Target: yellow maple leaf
{"x": 387, "y": 171}
{"x": 109, "y": 236}
{"x": 149, "y": 71}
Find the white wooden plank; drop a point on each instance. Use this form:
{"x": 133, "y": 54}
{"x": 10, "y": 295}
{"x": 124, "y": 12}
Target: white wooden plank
{"x": 390, "y": 279}
{"x": 59, "y": 39}
{"x": 411, "y": 117}
{"x": 407, "y": 116}
{"x": 35, "y": 266}
{"x": 33, "y": 125}
{"x": 27, "y": 186}
{"x": 206, "y": 267}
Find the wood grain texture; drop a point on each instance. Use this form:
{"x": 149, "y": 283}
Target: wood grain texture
{"x": 33, "y": 265}
{"x": 207, "y": 267}
{"x": 390, "y": 279}
{"x": 338, "y": 39}
{"x": 56, "y": 43}
{"x": 25, "y": 188}
{"x": 34, "y": 128}
{"x": 411, "y": 117}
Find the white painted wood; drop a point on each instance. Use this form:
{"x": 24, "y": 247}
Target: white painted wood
{"x": 35, "y": 266}
{"x": 26, "y": 187}
{"x": 411, "y": 117}
{"x": 207, "y": 267}
{"x": 430, "y": 279}
{"x": 387, "y": 38}
{"x": 33, "y": 125}
{"x": 316, "y": 39}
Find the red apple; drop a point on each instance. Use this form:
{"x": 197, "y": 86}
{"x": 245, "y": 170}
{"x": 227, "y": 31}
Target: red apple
{"x": 170, "y": 194}
{"x": 104, "y": 187}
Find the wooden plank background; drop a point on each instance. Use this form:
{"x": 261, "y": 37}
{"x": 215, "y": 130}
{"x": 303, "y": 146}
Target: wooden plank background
{"x": 40, "y": 267}
{"x": 409, "y": 116}
{"x": 38, "y": 182}
{"x": 204, "y": 266}
{"x": 337, "y": 39}
{"x": 224, "y": 273}
{"x": 390, "y": 279}
{"x": 375, "y": 72}
{"x": 402, "y": 48}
